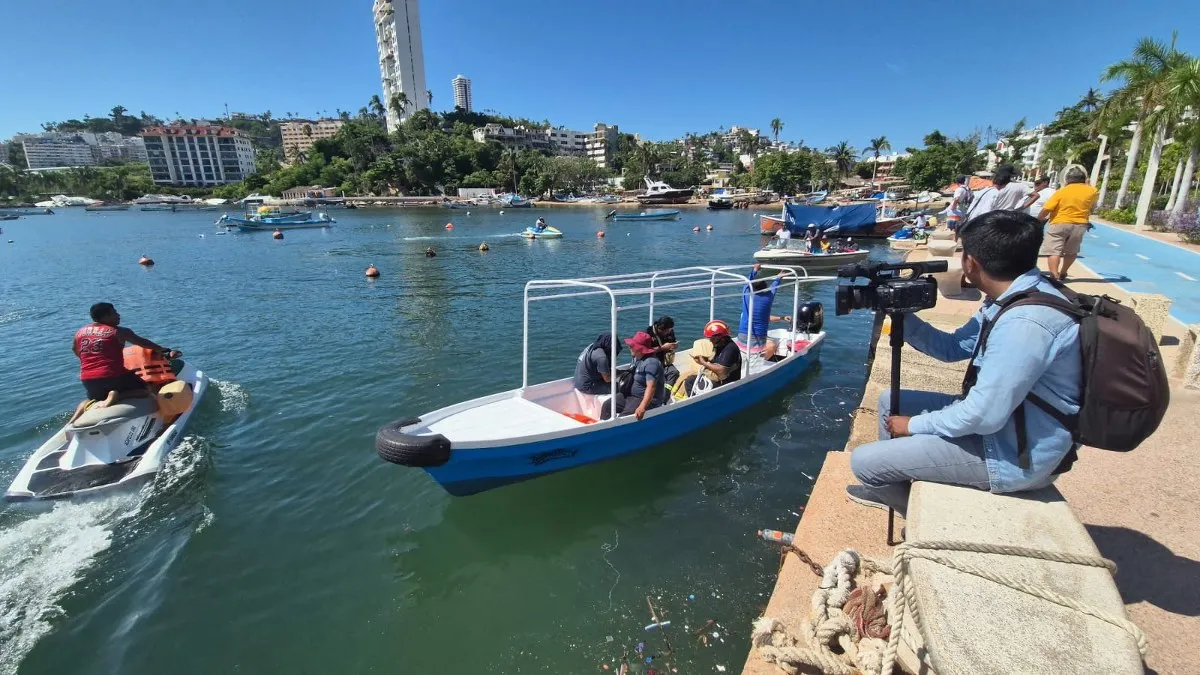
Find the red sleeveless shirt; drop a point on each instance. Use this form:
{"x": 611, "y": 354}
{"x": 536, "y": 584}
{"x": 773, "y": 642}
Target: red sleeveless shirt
{"x": 99, "y": 352}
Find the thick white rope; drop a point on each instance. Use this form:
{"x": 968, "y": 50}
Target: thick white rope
{"x": 828, "y": 622}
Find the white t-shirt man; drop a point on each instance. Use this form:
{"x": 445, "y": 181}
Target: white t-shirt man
{"x": 784, "y": 234}
{"x": 958, "y": 205}
{"x": 1035, "y": 209}
{"x": 1006, "y": 198}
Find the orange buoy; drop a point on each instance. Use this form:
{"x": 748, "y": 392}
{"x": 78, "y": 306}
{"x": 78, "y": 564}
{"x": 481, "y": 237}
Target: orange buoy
{"x": 600, "y": 234}
{"x": 449, "y": 226}
{"x": 277, "y": 234}
{"x": 372, "y": 272}
{"x": 696, "y": 228}
{"x": 146, "y": 261}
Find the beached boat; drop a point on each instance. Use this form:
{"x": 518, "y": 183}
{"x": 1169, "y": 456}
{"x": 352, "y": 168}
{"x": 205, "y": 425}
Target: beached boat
{"x": 813, "y": 197}
{"x": 512, "y": 201}
{"x": 607, "y": 199}
{"x": 799, "y": 257}
{"x": 121, "y": 445}
{"x": 644, "y": 215}
{"x": 543, "y": 428}
{"x": 532, "y": 232}
{"x": 106, "y": 207}
{"x": 658, "y": 192}
{"x": 720, "y": 202}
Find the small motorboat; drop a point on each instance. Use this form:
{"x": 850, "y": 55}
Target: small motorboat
{"x": 532, "y": 232}
{"x": 295, "y": 221}
{"x": 157, "y": 207}
{"x": 8, "y": 216}
{"x": 720, "y": 202}
{"x": 797, "y": 256}
{"x": 644, "y": 215}
{"x": 106, "y": 448}
{"x": 542, "y": 428}
{"x": 106, "y": 207}
{"x": 512, "y": 201}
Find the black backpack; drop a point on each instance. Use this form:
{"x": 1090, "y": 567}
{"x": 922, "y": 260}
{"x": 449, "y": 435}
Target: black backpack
{"x": 1125, "y": 391}
{"x": 625, "y": 379}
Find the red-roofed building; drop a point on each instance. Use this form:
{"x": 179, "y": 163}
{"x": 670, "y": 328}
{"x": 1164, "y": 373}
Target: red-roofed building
{"x": 198, "y": 155}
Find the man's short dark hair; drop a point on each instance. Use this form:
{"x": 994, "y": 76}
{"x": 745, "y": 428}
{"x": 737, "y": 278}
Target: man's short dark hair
{"x": 1004, "y": 174}
{"x": 1043, "y": 180}
{"x": 1005, "y": 243}
{"x": 664, "y": 323}
{"x": 961, "y": 180}
{"x": 101, "y": 310}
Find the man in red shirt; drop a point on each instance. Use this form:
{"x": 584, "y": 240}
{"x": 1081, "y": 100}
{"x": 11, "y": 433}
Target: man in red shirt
{"x": 99, "y": 346}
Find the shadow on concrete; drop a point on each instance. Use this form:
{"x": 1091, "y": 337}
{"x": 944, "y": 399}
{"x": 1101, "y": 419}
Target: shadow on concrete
{"x": 1148, "y": 571}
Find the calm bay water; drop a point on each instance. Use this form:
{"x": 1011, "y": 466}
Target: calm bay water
{"x": 277, "y": 541}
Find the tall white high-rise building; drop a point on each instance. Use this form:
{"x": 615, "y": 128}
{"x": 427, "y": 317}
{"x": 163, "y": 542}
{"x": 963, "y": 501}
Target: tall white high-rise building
{"x": 462, "y": 92}
{"x": 401, "y": 58}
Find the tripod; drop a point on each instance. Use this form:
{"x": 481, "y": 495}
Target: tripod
{"x": 897, "y": 343}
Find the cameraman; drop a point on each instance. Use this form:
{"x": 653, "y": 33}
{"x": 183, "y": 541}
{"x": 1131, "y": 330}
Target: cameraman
{"x": 972, "y": 439}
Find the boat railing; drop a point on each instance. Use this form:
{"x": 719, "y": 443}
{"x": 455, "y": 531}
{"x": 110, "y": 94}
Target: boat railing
{"x": 653, "y": 285}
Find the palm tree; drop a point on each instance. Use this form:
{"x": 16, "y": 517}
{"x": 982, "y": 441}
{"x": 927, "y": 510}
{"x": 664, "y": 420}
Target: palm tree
{"x": 1144, "y": 76}
{"x": 877, "y": 146}
{"x": 1091, "y": 101}
{"x": 429, "y": 96}
{"x": 776, "y": 127}
{"x": 399, "y": 103}
{"x": 376, "y": 106}
{"x": 843, "y": 156}
{"x": 1184, "y": 92}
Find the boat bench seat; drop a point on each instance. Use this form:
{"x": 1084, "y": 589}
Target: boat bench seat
{"x": 122, "y": 411}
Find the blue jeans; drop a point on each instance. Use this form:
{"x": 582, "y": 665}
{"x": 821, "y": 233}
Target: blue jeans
{"x": 889, "y": 465}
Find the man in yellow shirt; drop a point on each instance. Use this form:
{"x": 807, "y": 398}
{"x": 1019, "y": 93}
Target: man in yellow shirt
{"x": 1067, "y": 211}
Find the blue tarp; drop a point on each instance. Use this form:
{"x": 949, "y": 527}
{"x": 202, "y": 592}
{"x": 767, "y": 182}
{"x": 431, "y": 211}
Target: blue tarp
{"x": 851, "y": 220}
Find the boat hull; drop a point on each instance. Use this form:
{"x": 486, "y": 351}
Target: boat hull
{"x": 719, "y": 205}
{"x": 673, "y": 197}
{"x": 473, "y": 470}
{"x": 271, "y": 227}
{"x": 769, "y": 224}
{"x": 548, "y": 233}
{"x": 665, "y": 215}
{"x": 820, "y": 261}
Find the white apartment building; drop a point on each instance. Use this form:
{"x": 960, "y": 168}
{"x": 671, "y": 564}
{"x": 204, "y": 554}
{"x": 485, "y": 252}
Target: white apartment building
{"x": 299, "y": 136}
{"x": 198, "y": 155}
{"x": 601, "y": 146}
{"x": 84, "y": 148}
{"x": 520, "y": 137}
{"x": 567, "y": 142}
{"x": 462, "y": 92}
{"x": 401, "y": 59}
{"x": 1031, "y": 155}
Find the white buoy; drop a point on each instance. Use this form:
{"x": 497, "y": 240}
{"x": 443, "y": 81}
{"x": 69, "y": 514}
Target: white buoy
{"x": 501, "y": 211}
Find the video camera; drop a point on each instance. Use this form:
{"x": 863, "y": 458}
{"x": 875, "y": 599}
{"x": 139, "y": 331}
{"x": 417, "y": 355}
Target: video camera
{"x": 886, "y": 289}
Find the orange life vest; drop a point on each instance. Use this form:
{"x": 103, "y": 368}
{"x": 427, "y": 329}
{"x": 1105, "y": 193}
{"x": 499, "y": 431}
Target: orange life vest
{"x": 148, "y": 364}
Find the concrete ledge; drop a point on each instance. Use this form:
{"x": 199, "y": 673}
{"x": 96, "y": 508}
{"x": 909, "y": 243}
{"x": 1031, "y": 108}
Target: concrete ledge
{"x": 978, "y": 626}
{"x": 1154, "y": 309}
{"x": 1187, "y": 361}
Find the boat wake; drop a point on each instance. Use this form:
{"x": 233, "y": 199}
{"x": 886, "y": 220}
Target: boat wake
{"x": 43, "y": 555}
{"x": 41, "y": 558}
{"x": 234, "y": 398}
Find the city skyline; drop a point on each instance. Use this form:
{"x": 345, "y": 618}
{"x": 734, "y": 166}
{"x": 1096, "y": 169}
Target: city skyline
{"x": 862, "y": 81}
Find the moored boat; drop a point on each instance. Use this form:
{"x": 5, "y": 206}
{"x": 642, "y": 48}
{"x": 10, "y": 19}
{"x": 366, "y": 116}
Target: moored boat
{"x": 106, "y": 207}
{"x": 855, "y": 220}
{"x": 645, "y": 215}
{"x": 543, "y": 428}
{"x": 720, "y": 202}
{"x": 658, "y": 192}
{"x": 809, "y": 261}
{"x": 514, "y": 201}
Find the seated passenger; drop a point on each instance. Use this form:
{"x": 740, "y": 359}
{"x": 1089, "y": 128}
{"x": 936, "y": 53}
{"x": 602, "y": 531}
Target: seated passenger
{"x": 663, "y": 333}
{"x": 825, "y": 244}
{"x": 725, "y": 366}
{"x": 540, "y": 226}
{"x": 593, "y": 372}
{"x": 649, "y": 377}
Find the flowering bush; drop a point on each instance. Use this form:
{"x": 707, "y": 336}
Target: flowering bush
{"x": 1160, "y": 221}
{"x": 1187, "y": 225}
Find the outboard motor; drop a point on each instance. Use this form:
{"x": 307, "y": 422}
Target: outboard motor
{"x": 810, "y": 318}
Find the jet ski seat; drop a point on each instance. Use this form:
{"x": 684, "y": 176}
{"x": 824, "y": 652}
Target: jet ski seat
{"x": 122, "y": 411}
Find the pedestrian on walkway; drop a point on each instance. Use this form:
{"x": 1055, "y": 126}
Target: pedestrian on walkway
{"x": 1036, "y": 201}
{"x": 1067, "y": 211}
{"x": 972, "y": 439}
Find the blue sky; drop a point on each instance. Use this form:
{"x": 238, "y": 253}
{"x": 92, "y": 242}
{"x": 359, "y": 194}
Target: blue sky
{"x": 830, "y": 70}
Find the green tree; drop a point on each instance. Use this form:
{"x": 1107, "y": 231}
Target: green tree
{"x": 843, "y": 157}
{"x": 935, "y": 165}
{"x": 1090, "y": 102}
{"x": 782, "y": 172}
{"x": 776, "y": 127}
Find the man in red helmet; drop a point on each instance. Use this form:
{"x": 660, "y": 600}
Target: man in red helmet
{"x": 725, "y": 366}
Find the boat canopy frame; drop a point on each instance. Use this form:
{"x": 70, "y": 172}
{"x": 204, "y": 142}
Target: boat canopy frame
{"x": 654, "y": 284}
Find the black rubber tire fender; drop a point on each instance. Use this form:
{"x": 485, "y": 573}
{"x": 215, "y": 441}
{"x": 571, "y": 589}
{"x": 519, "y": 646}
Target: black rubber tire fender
{"x": 397, "y": 447}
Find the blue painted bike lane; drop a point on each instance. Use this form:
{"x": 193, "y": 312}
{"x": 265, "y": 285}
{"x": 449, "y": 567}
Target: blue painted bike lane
{"x": 1140, "y": 264}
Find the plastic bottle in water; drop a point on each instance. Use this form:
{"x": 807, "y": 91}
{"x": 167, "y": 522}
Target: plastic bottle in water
{"x": 777, "y": 537}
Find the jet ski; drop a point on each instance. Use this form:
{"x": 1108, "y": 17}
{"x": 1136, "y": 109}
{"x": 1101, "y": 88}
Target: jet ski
{"x": 120, "y": 445}
{"x": 532, "y": 232}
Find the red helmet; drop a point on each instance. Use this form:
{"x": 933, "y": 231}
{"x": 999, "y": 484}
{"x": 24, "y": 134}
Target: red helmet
{"x": 716, "y": 327}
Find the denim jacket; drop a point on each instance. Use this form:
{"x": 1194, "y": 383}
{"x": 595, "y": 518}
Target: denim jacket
{"x": 1030, "y": 349}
